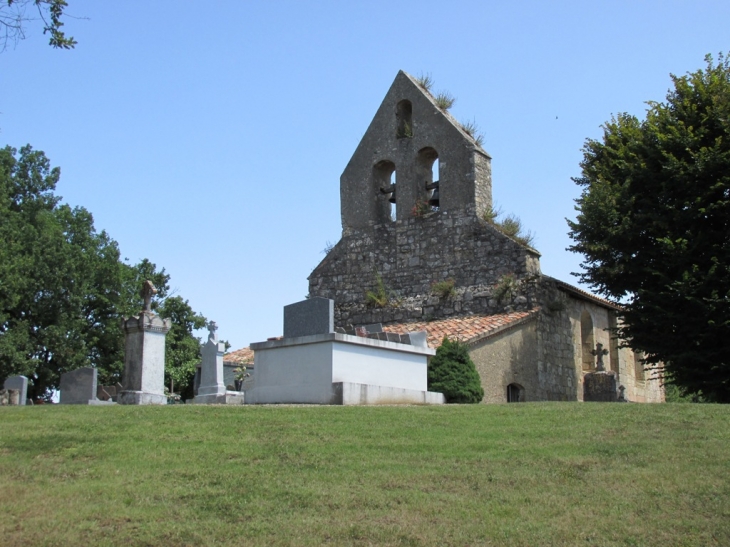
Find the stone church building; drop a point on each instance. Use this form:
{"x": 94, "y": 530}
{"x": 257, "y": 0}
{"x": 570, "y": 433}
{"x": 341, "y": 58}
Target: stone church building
{"x": 420, "y": 252}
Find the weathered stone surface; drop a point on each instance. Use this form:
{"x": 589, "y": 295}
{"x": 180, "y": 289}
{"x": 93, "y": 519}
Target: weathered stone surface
{"x": 21, "y": 384}
{"x": 144, "y": 360}
{"x": 212, "y": 389}
{"x": 600, "y": 387}
{"x": 312, "y": 316}
{"x": 408, "y": 133}
{"x": 79, "y": 386}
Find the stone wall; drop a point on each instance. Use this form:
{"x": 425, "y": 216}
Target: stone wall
{"x": 410, "y": 255}
{"x": 508, "y": 358}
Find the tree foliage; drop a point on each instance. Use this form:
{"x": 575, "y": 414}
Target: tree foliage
{"x": 15, "y": 14}
{"x": 64, "y": 289}
{"x": 654, "y": 226}
{"x": 452, "y": 372}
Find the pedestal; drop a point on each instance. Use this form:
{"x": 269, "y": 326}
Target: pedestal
{"x": 143, "y": 382}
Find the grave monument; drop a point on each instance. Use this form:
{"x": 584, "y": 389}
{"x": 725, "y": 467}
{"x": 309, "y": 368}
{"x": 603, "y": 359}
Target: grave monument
{"x": 314, "y": 364}
{"x": 600, "y": 386}
{"x": 212, "y": 388}
{"x": 144, "y": 355}
{"x": 79, "y": 387}
{"x": 21, "y": 384}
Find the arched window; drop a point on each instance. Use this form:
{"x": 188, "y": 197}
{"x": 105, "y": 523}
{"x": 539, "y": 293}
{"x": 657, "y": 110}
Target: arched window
{"x": 638, "y": 366}
{"x": 427, "y": 174}
{"x": 586, "y": 340}
{"x": 404, "y": 115}
{"x": 515, "y": 393}
{"x": 384, "y": 177}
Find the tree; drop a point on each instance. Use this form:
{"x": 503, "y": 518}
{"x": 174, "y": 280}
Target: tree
{"x": 64, "y": 289}
{"x": 654, "y": 226}
{"x": 14, "y": 14}
{"x": 452, "y": 372}
{"x": 182, "y": 349}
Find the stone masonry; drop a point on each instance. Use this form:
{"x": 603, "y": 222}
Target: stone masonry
{"x": 423, "y": 246}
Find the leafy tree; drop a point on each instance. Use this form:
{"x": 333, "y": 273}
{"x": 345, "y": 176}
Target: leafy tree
{"x": 654, "y": 225}
{"x": 182, "y": 349}
{"x": 14, "y": 15}
{"x": 452, "y": 372}
{"x": 64, "y": 289}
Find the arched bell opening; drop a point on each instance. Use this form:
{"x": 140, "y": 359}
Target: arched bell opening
{"x": 384, "y": 179}
{"x": 427, "y": 174}
{"x": 515, "y": 393}
{"x": 404, "y": 116}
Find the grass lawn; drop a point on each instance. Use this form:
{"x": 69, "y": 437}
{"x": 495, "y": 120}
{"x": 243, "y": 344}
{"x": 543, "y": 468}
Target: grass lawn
{"x": 522, "y": 474}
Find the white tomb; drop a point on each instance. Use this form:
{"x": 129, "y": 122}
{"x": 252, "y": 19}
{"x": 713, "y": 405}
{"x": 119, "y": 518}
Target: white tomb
{"x": 336, "y": 368}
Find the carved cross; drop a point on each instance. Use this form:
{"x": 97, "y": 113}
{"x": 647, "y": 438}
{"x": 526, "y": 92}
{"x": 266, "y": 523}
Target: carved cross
{"x": 148, "y": 291}
{"x": 599, "y": 352}
{"x": 212, "y": 327}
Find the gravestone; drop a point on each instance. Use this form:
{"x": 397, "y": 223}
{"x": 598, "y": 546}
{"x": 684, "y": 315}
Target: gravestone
{"x": 144, "y": 355}
{"x": 78, "y": 387}
{"x": 212, "y": 389}
{"x": 21, "y": 384}
{"x": 315, "y": 315}
{"x": 600, "y": 386}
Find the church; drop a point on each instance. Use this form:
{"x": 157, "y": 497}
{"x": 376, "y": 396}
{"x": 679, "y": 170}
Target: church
{"x": 420, "y": 250}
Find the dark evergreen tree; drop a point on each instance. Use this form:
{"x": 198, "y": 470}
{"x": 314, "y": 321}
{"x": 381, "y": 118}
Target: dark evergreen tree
{"x": 452, "y": 372}
{"x": 654, "y": 226}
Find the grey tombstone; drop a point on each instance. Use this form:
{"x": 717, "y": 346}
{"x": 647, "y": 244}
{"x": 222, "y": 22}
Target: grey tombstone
{"x": 78, "y": 387}
{"x": 21, "y": 384}
{"x": 419, "y": 339}
{"x": 143, "y": 381}
{"x": 212, "y": 390}
{"x": 600, "y": 386}
{"x": 315, "y": 315}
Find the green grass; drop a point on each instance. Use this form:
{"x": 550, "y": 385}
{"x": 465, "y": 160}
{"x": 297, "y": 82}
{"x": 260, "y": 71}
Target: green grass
{"x": 524, "y": 474}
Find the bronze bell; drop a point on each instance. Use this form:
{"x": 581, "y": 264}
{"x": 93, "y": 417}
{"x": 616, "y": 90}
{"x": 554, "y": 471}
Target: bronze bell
{"x": 389, "y": 192}
{"x": 433, "y": 199}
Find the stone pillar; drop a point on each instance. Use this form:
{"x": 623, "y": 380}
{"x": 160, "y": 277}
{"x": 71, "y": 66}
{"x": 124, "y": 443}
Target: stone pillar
{"x": 212, "y": 389}
{"x": 143, "y": 382}
{"x": 21, "y": 384}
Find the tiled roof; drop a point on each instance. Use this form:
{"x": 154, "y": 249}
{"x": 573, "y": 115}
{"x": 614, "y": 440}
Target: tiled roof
{"x": 580, "y": 293}
{"x": 468, "y": 328}
{"x": 240, "y": 356}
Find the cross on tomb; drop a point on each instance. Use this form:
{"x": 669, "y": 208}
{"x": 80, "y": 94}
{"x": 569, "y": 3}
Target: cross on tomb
{"x": 148, "y": 291}
{"x": 599, "y": 352}
{"x": 212, "y": 327}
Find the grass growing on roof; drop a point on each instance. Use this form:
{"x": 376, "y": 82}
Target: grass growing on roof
{"x": 517, "y": 475}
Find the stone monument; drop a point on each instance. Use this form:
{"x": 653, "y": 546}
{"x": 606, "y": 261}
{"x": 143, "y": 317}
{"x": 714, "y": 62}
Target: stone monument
{"x": 212, "y": 389}
{"x": 79, "y": 387}
{"x": 144, "y": 355}
{"x": 21, "y": 384}
{"x": 600, "y": 386}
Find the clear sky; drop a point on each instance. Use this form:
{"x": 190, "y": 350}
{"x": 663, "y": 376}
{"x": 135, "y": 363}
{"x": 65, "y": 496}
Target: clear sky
{"x": 210, "y": 137}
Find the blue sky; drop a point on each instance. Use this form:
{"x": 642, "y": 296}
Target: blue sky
{"x": 210, "y": 137}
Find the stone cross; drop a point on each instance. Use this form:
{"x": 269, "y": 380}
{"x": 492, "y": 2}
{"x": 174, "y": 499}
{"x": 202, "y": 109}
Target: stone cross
{"x": 148, "y": 291}
{"x": 212, "y": 336}
{"x": 599, "y": 352}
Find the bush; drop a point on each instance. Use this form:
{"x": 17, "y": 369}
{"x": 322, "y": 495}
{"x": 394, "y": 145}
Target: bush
{"x": 452, "y": 372}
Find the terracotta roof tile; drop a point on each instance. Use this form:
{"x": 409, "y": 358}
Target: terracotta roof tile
{"x": 468, "y": 328}
{"x": 240, "y": 356}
